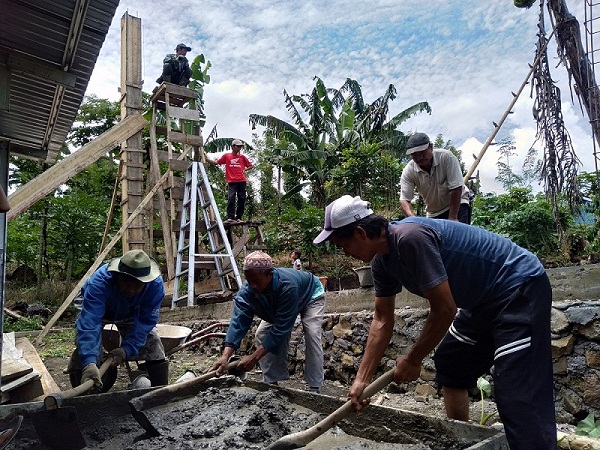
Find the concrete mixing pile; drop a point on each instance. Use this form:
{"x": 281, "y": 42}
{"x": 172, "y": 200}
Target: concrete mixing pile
{"x": 232, "y": 418}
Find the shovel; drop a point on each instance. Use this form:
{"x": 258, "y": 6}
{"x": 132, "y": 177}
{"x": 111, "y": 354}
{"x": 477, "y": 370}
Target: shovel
{"x": 9, "y": 431}
{"x": 151, "y": 399}
{"x": 301, "y": 438}
{"x": 57, "y": 425}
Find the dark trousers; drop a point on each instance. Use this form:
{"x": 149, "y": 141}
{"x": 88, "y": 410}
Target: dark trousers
{"x": 237, "y": 189}
{"x": 510, "y": 332}
{"x": 464, "y": 214}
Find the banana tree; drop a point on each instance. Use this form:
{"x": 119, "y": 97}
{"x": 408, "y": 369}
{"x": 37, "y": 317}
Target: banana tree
{"x": 337, "y": 119}
{"x": 371, "y": 120}
{"x": 311, "y": 156}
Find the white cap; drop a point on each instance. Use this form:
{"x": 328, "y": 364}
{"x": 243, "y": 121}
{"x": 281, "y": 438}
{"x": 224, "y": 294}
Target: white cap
{"x": 341, "y": 212}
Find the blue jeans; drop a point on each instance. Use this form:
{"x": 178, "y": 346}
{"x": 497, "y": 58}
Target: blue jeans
{"x": 274, "y": 365}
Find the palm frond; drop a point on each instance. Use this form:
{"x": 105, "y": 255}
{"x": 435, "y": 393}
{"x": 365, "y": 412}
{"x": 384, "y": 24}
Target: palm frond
{"x": 407, "y": 114}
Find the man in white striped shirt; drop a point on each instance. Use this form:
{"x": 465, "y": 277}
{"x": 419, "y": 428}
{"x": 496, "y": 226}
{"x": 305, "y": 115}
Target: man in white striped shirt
{"x": 505, "y": 302}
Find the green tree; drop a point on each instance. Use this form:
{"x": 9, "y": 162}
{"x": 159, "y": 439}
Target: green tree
{"x": 95, "y": 116}
{"x": 506, "y": 176}
{"x": 311, "y": 157}
{"x": 369, "y": 172}
{"x": 530, "y": 170}
{"x": 66, "y": 228}
{"x": 371, "y": 121}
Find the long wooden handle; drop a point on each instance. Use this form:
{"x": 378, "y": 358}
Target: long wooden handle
{"x": 53, "y": 401}
{"x": 300, "y": 439}
{"x": 147, "y": 400}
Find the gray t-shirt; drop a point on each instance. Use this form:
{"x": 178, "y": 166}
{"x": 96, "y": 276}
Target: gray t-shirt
{"x": 434, "y": 186}
{"x": 479, "y": 265}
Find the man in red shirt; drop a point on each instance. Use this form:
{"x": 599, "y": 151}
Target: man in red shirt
{"x": 235, "y": 166}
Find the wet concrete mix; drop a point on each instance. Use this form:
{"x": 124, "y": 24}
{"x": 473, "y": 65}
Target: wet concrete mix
{"x": 231, "y": 418}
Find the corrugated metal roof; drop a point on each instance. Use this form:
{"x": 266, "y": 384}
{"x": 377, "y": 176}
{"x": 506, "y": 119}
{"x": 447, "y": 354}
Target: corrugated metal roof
{"x": 48, "y": 49}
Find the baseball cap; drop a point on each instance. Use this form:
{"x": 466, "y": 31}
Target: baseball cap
{"x": 417, "y": 143}
{"x": 341, "y": 212}
{"x": 181, "y": 45}
{"x": 237, "y": 142}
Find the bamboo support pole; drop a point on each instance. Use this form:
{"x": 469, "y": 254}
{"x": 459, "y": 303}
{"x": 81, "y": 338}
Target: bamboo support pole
{"x": 498, "y": 125}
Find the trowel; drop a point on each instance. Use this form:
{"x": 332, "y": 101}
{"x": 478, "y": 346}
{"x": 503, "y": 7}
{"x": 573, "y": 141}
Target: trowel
{"x": 56, "y": 425}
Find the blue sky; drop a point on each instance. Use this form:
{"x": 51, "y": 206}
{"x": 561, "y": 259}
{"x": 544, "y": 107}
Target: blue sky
{"x": 464, "y": 58}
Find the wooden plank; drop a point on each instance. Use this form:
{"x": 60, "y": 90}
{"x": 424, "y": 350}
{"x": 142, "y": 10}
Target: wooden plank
{"x": 178, "y": 182}
{"x": 181, "y": 91}
{"x": 183, "y": 113}
{"x": 48, "y": 181}
{"x": 179, "y": 165}
{"x": 13, "y": 364}
{"x": 32, "y": 357}
{"x": 14, "y": 368}
{"x": 163, "y": 211}
{"x": 21, "y": 381}
{"x": 177, "y": 193}
{"x": 163, "y": 156}
{"x": 184, "y": 138}
{"x": 29, "y": 389}
{"x": 178, "y": 94}
{"x": 40, "y": 69}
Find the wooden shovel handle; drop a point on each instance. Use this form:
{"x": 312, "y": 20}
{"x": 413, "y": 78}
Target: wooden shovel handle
{"x": 53, "y": 401}
{"x": 142, "y": 402}
{"x": 300, "y": 439}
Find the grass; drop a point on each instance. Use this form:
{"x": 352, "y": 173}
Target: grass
{"x": 58, "y": 344}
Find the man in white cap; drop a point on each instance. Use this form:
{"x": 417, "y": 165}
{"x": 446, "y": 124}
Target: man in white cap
{"x": 176, "y": 68}
{"x": 127, "y": 292}
{"x": 277, "y": 296}
{"x": 436, "y": 175}
{"x": 236, "y": 165}
{"x": 505, "y": 302}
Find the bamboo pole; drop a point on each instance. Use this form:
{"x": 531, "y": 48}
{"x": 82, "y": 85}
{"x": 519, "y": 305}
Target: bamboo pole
{"x": 498, "y": 125}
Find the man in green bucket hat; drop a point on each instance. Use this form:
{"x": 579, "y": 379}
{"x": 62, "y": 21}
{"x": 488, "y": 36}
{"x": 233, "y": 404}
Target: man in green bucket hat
{"x": 127, "y": 292}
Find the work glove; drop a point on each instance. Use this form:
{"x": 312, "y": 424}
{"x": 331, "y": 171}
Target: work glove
{"x": 118, "y": 355}
{"x": 91, "y": 372}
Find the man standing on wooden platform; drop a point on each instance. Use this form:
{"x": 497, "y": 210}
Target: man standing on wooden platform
{"x": 235, "y": 166}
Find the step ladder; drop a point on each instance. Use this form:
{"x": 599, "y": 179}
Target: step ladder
{"x": 200, "y": 216}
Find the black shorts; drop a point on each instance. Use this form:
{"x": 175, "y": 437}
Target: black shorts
{"x": 512, "y": 334}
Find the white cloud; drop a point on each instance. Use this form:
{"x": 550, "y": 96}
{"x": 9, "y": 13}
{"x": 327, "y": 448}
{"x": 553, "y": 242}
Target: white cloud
{"x": 464, "y": 58}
